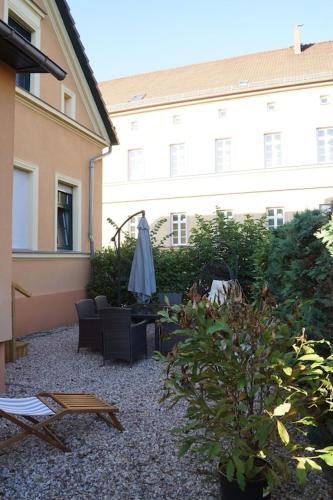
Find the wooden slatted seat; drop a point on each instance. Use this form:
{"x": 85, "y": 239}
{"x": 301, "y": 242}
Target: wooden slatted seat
{"x": 28, "y": 408}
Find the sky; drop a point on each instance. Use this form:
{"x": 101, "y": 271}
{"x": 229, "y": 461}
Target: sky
{"x": 127, "y": 37}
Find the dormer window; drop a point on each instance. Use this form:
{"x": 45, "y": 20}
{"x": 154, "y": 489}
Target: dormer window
{"x": 138, "y": 97}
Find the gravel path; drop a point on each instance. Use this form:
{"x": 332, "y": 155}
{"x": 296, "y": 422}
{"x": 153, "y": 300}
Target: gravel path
{"x": 139, "y": 464}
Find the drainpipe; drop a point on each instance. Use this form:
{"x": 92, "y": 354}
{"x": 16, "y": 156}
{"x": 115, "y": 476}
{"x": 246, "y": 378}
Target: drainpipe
{"x": 91, "y": 197}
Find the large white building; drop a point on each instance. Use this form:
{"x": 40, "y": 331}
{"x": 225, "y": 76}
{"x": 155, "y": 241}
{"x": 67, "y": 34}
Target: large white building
{"x": 251, "y": 135}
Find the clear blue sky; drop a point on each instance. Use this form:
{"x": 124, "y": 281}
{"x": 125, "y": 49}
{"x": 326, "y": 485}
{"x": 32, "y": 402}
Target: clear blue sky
{"x": 126, "y": 37}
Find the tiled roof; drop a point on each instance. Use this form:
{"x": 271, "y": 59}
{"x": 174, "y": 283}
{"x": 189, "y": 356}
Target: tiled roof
{"x": 261, "y": 70}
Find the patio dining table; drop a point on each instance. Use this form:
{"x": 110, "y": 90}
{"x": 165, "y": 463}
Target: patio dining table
{"x": 149, "y": 314}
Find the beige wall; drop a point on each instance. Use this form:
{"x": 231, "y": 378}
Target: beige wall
{"x": 7, "y": 89}
{"x": 55, "y": 283}
{"x": 55, "y": 149}
{"x": 50, "y": 88}
{"x": 7, "y": 100}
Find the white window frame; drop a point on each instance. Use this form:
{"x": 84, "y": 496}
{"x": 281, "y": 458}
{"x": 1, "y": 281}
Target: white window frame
{"x": 134, "y": 156}
{"x": 227, "y": 213}
{"x": 179, "y": 223}
{"x": 33, "y": 172}
{"x": 276, "y": 157}
{"x": 221, "y": 113}
{"x": 324, "y": 99}
{"x": 271, "y": 106}
{"x": 275, "y": 217}
{"x": 30, "y": 15}
{"x": 133, "y": 226}
{"x": 226, "y": 157}
{"x": 328, "y": 149}
{"x": 326, "y": 207}
{"x": 177, "y": 119}
{"x": 76, "y": 187}
{"x": 177, "y": 153}
{"x": 72, "y": 102}
{"x": 134, "y": 125}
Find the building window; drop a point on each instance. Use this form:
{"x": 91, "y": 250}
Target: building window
{"x": 65, "y": 218}
{"x": 325, "y": 145}
{"x": 134, "y": 125}
{"x": 23, "y": 80}
{"x": 272, "y": 145}
{"x": 176, "y": 119}
{"x": 222, "y": 155}
{"x": 133, "y": 226}
{"x": 135, "y": 164}
{"x": 227, "y": 214}
{"x": 222, "y": 113}
{"x": 326, "y": 208}
{"x": 324, "y": 99}
{"x": 25, "y": 206}
{"x": 275, "y": 217}
{"x": 177, "y": 160}
{"x": 68, "y": 102}
{"x": 271, "y": 106}
{"x": 179, "y": 229}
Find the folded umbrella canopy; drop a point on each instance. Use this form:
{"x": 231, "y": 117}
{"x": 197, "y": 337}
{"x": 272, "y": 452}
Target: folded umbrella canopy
{"x": 142, "y": 278}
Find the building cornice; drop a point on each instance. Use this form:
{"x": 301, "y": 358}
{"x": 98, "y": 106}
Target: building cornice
{"x": 212, "y": 95}
{"x": 41, "y": 107}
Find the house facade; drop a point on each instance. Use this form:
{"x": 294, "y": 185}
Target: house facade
{"x": 53, "y": 133}
{"x": 250, "y": 135}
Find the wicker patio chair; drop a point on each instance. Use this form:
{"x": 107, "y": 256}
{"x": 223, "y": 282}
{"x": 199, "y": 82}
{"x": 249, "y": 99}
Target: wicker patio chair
{"x": 90, "y": 327}
{"x": 122, "y": 339}
{"x": 101, "y": 302}
{"x": 172, "y": 297}
{"x": 167, "y": 338}
{"x": 23, "y": 412}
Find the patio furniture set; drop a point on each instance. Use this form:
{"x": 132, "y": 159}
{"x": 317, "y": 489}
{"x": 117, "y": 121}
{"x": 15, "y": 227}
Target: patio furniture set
{"x": 120, "y": 332}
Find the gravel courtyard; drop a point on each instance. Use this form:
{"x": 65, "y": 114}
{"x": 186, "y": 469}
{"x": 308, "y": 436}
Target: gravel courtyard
{"x": 139, "y": 464}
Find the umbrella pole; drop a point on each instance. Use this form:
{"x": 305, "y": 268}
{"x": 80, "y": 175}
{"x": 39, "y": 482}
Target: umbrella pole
{"x": 117, "y": 245}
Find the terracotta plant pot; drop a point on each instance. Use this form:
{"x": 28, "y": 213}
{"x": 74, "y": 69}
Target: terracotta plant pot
{"x": 231, "y": 490}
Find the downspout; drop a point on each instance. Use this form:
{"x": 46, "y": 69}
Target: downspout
{"x": 91, "y": 198}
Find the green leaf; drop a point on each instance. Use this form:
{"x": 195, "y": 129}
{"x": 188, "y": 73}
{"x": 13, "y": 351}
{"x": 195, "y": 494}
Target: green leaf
{"x": 313, "y": 464}
{"x": 283, "y": 433}
{"x": 328, "y": 458}
{"x": 281, "y": 409}
{"x": 288, "y": 371}
{"x": 217, "y": 326}
{"x": 230, "y": 471}
{"x": 311, "y": 357}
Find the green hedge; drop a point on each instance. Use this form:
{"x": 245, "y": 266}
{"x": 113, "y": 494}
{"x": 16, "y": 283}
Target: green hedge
{"x": 298, "y": 268}
{"x": 177, "y": 268}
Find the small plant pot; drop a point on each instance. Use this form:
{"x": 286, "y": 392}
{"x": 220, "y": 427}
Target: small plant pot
{"x": 230, "y": 490}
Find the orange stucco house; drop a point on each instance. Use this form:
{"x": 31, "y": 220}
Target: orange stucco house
{"x": 53, "y": 130}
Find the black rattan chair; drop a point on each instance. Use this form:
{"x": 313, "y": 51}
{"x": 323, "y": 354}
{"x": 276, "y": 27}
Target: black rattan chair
{"x": 101, "y": 302}
{"x": 122, "y": 339}
{"x": 167, "y": 338}
{"x": 172, "y": 297}
{"x": 90, "y": 326}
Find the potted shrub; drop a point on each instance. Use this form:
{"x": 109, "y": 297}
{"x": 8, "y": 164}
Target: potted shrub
{"x": 251, "y": 390}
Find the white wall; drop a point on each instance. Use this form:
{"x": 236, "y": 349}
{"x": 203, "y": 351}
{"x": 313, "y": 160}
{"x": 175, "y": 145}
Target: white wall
{"x": 297, "y": 184}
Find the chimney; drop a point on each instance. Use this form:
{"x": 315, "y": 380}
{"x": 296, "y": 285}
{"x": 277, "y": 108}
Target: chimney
{"x": 297, "y": 39}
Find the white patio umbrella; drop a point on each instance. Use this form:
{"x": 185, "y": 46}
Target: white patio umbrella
{"x": 142, "y": 278}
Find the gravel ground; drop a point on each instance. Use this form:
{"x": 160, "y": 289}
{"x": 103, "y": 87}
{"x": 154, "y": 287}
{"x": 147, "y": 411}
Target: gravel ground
{"x": 139, "y": 464}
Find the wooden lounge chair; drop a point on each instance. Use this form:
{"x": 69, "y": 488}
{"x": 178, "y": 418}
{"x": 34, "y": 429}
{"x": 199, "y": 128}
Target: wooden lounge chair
{"x": 29, "y": 408}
